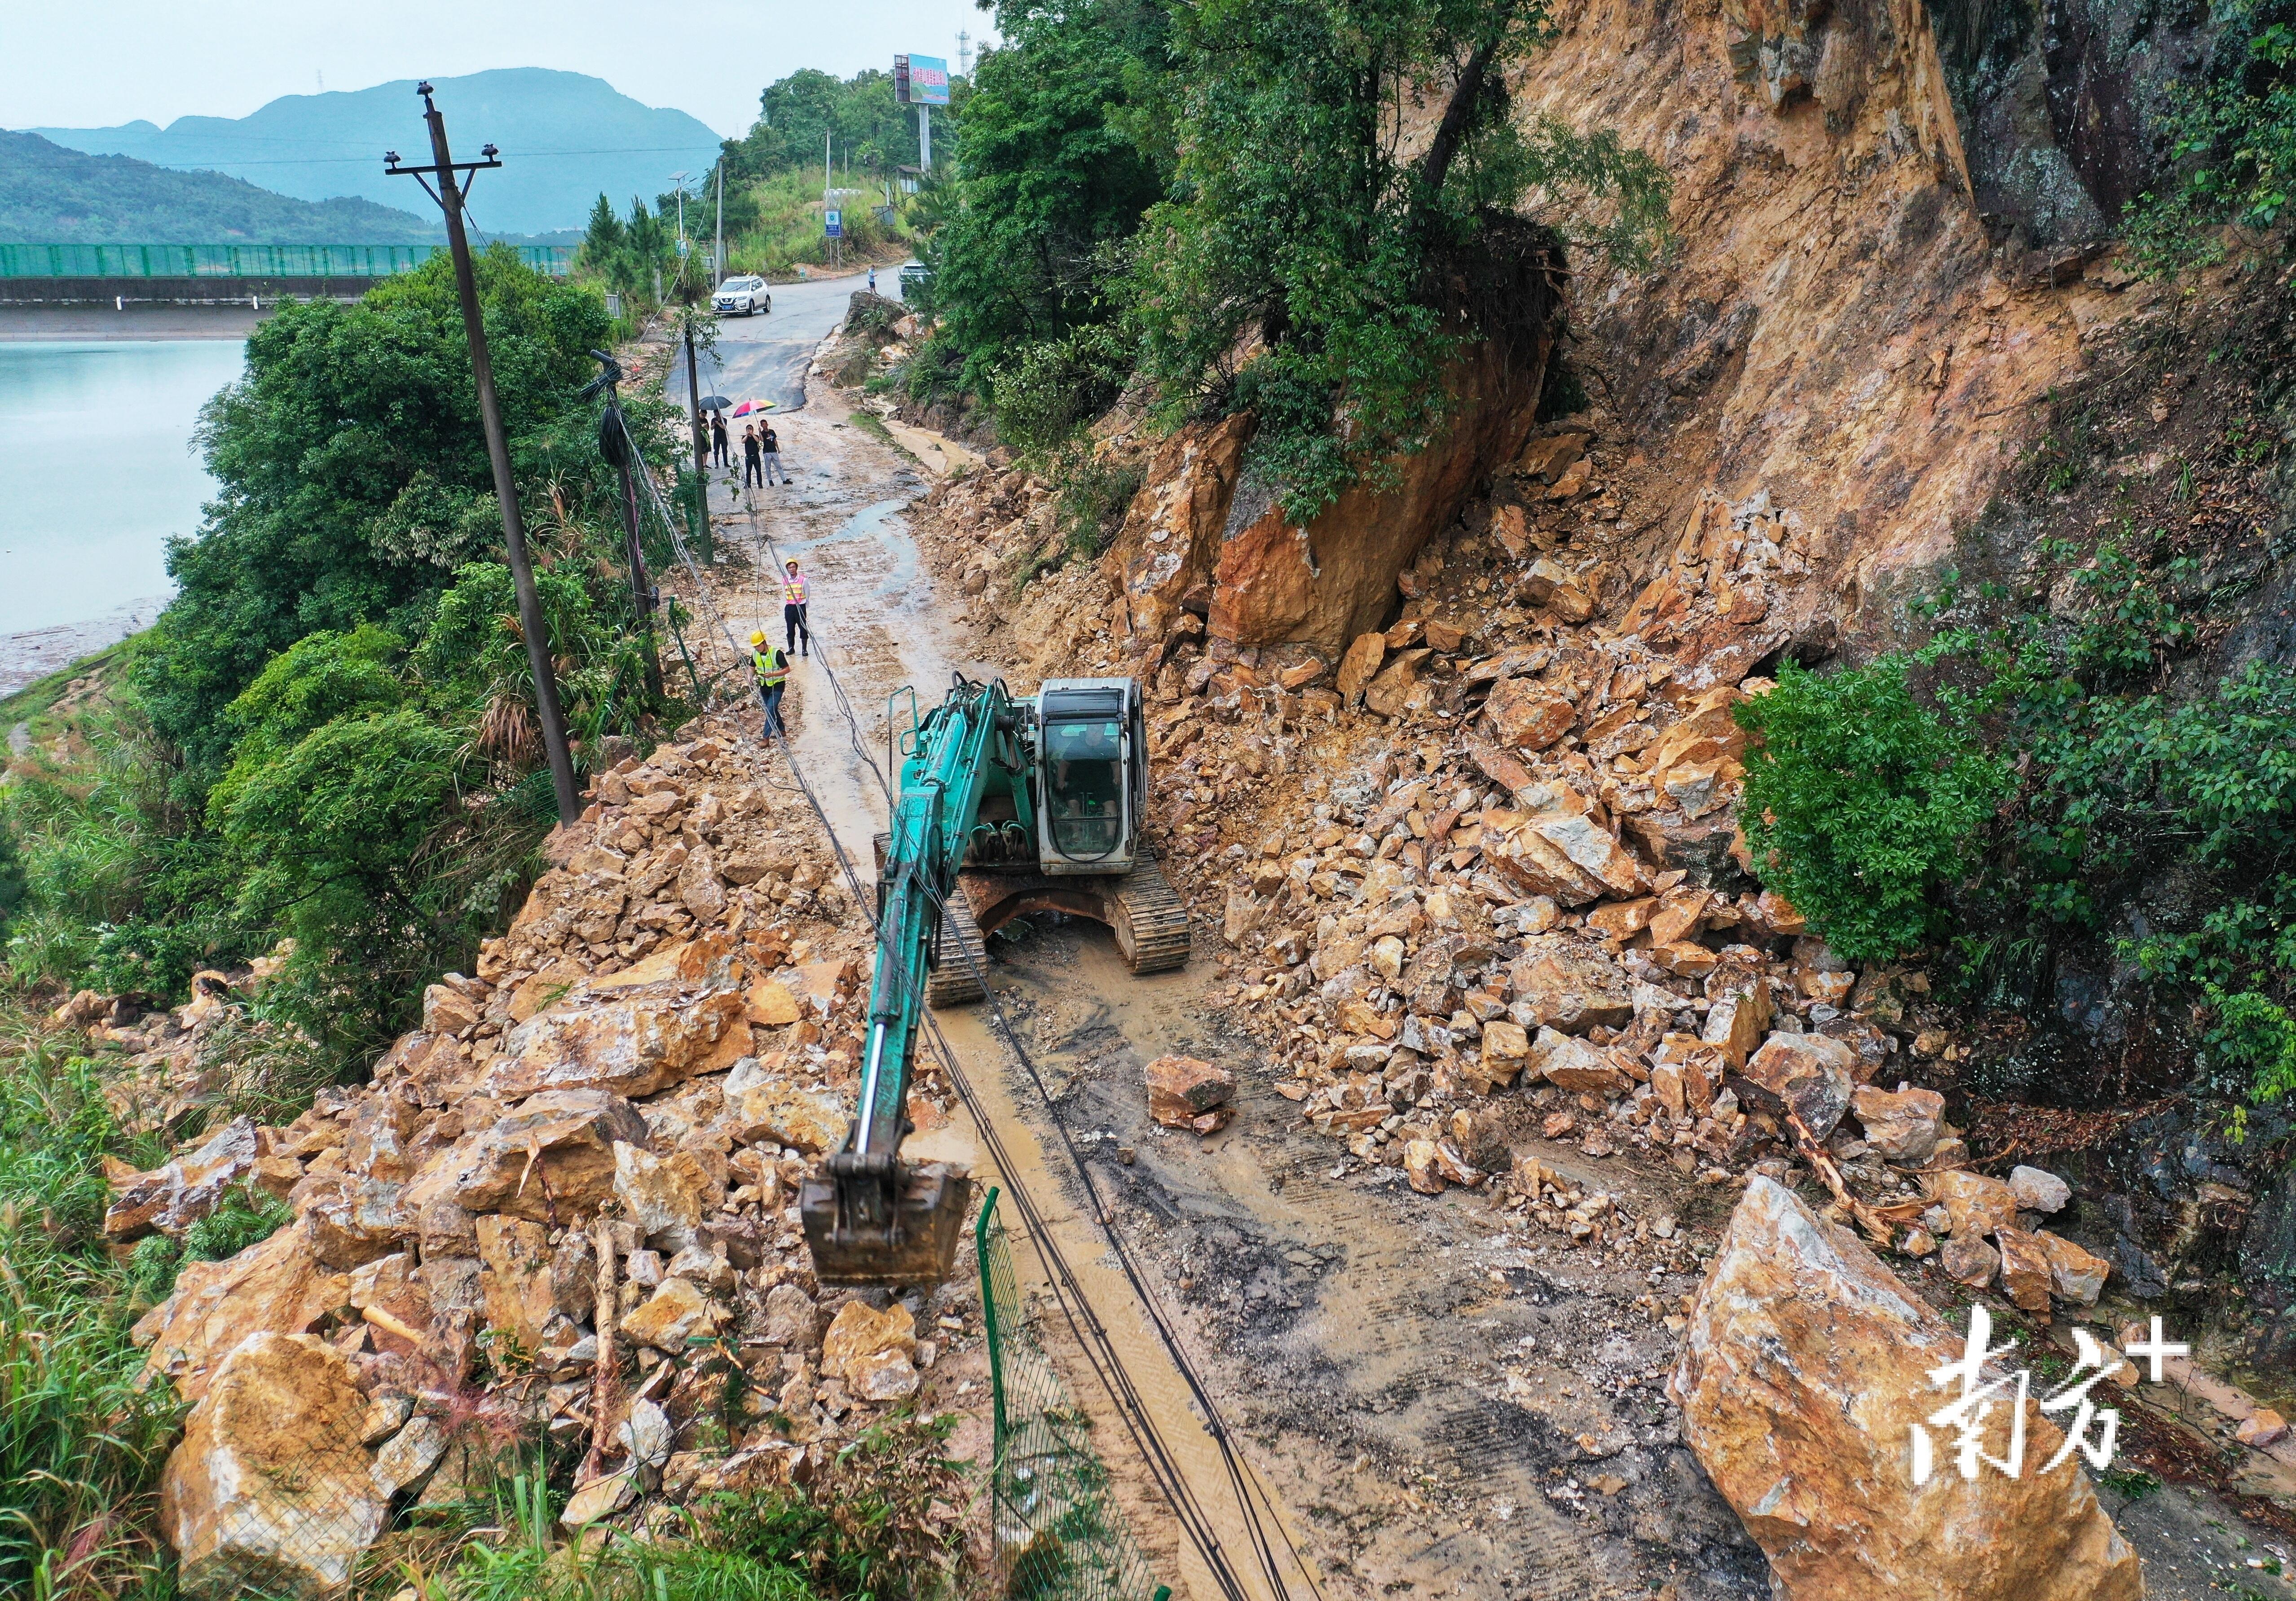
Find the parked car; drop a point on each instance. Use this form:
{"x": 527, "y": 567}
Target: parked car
{"x": 745, "y": 294}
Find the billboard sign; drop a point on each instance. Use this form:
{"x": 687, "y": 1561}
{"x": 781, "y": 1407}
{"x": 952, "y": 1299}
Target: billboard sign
{"x": 832, "y": 223}
{"x": 920, "y": 80}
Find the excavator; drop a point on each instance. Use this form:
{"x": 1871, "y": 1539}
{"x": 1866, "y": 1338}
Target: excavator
{"x": 1006, "y": 806}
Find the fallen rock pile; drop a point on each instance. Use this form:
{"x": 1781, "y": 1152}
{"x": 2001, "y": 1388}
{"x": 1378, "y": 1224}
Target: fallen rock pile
{"x": 566, "y": 1202}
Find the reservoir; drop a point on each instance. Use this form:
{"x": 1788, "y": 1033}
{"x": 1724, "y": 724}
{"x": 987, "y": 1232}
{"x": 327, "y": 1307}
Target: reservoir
{"x": 96, "y": 471}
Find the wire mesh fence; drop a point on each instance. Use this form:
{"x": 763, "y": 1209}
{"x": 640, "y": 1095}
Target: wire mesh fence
{"x": 309, "y": 1509}
{"x": 1059, "y": 1533}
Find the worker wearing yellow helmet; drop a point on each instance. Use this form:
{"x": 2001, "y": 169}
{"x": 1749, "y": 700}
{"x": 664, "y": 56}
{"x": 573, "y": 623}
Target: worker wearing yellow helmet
{"x": 771, "y": 664}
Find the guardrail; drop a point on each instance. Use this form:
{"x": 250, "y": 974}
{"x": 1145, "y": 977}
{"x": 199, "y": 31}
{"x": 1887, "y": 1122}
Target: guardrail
{"x": 242, "y": 261}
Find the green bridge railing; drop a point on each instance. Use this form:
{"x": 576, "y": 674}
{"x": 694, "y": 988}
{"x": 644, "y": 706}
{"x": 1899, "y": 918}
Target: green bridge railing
{"x": 241, "y": 261}
{"x": 1058, "y": 1535}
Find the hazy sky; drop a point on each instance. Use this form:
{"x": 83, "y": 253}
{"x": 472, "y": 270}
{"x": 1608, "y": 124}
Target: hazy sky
{"x": 83, "y": 66}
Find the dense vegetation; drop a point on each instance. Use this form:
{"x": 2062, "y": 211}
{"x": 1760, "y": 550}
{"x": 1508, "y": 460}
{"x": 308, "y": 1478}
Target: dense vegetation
{"x": 51, "y": 195}
{"x": 1268, "y": 207}
{"x": 2009, "y": 792}
{"x": 329, "y": 734}
{"x": 2230, "y": 133}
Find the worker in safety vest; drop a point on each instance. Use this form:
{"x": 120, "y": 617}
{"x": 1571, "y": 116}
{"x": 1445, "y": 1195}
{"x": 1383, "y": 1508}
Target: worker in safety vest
{"x": 793, "y": 609}
{"x": 771, "y": 664}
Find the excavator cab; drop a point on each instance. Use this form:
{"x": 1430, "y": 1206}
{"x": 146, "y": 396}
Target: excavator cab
{"x": 1092, "y": 776}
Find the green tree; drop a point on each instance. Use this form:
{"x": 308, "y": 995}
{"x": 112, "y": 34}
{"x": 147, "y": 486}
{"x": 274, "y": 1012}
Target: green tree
{"x": 1866, "y": 801}
{"x": 354, "y": 477}
{"x": 1051, "y": 176}
{"x": 1298, "y": 229}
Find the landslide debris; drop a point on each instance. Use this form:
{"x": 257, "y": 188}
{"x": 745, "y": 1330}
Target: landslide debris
{"x": 563, "y": 1207}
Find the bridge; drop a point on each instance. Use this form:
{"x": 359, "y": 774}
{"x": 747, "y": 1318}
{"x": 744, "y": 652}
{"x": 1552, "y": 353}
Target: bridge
{"x": 223, "y": 274}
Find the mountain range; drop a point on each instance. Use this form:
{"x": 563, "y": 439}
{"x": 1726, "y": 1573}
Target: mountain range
{"x": 51, "y": 195}
{"x": 565, "y": 139}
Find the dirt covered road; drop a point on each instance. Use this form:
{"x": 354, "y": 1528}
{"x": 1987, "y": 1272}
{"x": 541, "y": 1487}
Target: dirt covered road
{"x": 1434, "y": 1408}
{"x": 1437, "y": 1403}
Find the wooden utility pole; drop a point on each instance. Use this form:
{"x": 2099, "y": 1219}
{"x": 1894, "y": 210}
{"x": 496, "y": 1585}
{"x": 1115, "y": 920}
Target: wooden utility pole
{"x": 614, "y": 443}
{"x": 693, "y": 401}
{"x": 449, "y": 195}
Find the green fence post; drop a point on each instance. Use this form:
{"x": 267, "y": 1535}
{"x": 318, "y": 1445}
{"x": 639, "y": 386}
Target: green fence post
{"x": 988, "y": 1317}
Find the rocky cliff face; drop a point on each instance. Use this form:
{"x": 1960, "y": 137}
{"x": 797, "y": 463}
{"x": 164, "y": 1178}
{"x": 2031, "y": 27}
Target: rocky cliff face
{"x": 1207, "y": 541}
{"x": 1838, "y": 329}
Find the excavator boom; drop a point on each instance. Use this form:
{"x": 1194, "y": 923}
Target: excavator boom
{"x": 870, "y": 1218}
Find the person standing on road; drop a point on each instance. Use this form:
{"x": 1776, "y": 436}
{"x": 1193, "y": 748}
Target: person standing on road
{"x": 771, "y": 664}
{"x": 752, "y": 456}
{"x": 793, "y": 609}
{"x": 873, "y": 277}
{"x": 717, "y": 438}
{"x": 771, "y": 442}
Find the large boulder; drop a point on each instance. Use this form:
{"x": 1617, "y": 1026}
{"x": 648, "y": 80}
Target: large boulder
{"x": 277, "y": 1284}
{"x": 271, "y": 1493}
{"x": 1901, "y": 1127}
{"x": 1275, "y": 581}
{"x": 1564, "y": 849}
{"x": 1804, "y": 1371}
{"x": 1183, "y": 1090}
{"x": 1571, "y": 987}
{"x": 1171, "y": 531}
{"x": 169, "y": 1199}
{"x": 553, "y": 1156}
{"x": 1809, "y": 1076}
{"x": 632, "y": 1047}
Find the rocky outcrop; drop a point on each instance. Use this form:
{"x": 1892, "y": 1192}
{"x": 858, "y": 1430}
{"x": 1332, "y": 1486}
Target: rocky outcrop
{"x": 581, "y": 1167}
{"x": 1805, "y": 1368}
{"x": 1204, "y": 537}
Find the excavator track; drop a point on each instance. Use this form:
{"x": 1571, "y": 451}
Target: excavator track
{"x": 1150, "y": 921}
{"x": 963, "y": 951}
{"x": 954, "y": 980}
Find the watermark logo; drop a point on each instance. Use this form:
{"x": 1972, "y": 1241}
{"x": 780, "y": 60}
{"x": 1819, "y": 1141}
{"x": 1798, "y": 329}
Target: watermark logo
{"x": 1968, "y": 1417}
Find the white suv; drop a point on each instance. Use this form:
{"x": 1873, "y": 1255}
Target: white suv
{"x": 746, "y": 294}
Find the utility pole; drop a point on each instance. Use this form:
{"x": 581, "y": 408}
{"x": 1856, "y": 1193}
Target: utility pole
{"x": 678, "y": 178}
{"x": 718, "y": 257}
{"x": 693, "y": 403}
{"x": 614, "y": 445}
{"x": 449, "y": 196}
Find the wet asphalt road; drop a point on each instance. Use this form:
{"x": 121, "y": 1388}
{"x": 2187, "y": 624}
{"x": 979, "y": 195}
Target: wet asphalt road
{"x": 764, "y": 358}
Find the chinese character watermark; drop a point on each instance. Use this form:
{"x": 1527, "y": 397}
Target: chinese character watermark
{"x": 2090, "y": 1429}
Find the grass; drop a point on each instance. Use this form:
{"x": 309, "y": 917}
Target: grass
{"x": 788, "y": 228}
{"x": 80, "y": 1445}
{"x": 878, "y": 1525}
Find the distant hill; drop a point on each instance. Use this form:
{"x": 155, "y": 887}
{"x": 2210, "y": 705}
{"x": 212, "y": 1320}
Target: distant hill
{"x": 51, "y": 195}
{"x": 565, "y": 139}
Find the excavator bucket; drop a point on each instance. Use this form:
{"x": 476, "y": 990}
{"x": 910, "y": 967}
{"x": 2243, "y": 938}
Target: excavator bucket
{"x": 883, "y": 1223}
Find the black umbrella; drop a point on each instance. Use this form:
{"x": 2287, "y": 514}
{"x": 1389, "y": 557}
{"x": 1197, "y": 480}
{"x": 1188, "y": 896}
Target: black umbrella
{"x": 714, "y": 403}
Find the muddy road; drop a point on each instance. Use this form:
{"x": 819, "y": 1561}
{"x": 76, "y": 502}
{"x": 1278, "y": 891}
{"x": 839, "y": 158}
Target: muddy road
{"x": 1435, "y": 1408}
{"x": 1437, "y": 1403}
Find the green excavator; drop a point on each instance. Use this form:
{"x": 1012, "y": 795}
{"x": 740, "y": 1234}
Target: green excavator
{"x": 1006, "y": 806}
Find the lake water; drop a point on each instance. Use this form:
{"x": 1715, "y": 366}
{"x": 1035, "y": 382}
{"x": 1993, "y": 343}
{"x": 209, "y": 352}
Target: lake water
{"x": 96, "y": 471}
